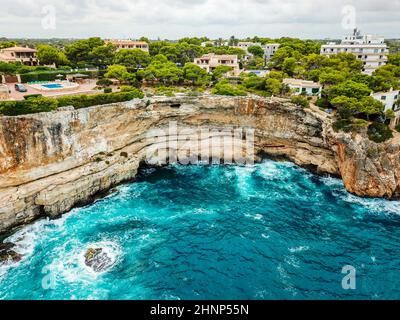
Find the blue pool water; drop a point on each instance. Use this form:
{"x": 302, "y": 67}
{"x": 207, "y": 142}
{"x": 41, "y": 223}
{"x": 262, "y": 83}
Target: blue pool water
{"x": 52, "y": 85}
{"x": 211, "y": 232}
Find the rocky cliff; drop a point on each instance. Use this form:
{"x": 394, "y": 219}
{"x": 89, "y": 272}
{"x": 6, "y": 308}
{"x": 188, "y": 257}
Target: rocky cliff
{"x": 51, "y": 162}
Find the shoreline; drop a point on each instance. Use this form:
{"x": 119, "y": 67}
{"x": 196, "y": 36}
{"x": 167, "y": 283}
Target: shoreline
{"x": 69, "y": 158}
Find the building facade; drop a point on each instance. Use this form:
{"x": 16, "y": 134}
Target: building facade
{"x": 24, "y": 55}
{"x": 211, "y": 60}
{"x": 298, "y": 86}
{"x": 371, "y": 50}
{"x": 391, "y": 101}
{"x": 129, "y": 44}
{"x": 269, "y": 50}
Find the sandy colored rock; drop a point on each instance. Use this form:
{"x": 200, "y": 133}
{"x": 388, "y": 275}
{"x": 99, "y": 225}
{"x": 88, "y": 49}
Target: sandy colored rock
{"x": 51, "y": 162}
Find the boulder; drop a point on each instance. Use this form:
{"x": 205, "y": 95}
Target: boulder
{"x": 97, "y": 259}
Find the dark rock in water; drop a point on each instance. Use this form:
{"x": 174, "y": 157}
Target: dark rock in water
{"x": 7, "y": 254}
{"x": 98, "y": 260}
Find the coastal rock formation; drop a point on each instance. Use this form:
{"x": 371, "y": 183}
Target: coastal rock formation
{"x": 97, "y": 260}
{"x": 51, "y": 162}
{"x": 367, "y": 168}
{"x": 7, "y": 254}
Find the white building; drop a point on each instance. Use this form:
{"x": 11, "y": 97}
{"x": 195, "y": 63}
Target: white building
{"x": 211, "y": 60}
{"x": 371, "y": 50}
{"x": 269, "y": 50}
{"x": 391, "y": 100}
{"x": 309, "y": 88}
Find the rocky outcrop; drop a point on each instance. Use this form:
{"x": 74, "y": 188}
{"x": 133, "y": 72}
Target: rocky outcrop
{"x": 51, "y": 162}
{"x": 367, "y": 168}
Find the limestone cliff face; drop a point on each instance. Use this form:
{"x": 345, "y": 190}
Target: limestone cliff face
{"x": 51, "y": 162}
{"x": 367, "y": 168}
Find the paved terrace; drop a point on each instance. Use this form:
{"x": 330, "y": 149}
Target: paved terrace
{"x": 85, "y": 88}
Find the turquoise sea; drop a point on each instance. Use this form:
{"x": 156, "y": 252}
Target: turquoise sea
{"x": 268, "y": 231}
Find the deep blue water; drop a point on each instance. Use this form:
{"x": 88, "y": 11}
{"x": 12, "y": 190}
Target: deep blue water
{"x": 271, "y": 231}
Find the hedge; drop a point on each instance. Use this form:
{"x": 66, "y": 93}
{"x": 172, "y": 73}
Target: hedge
{"x": 43, "y": 104}
{"x": 84, "y": 101}
{"x": 52, "y": 75}
{"x": 33, "y": 105}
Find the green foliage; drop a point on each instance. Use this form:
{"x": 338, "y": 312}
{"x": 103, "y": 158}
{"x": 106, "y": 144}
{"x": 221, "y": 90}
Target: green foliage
{"x": 349, "y": 89}
{"x": 300, "y": 101}
{"x": 8, "y": 68}
{"x": 49, "y": 55}
{"x": 220, "y": 71}
{"x": 132, "y": 59}
{"x": 116, "y": 71}
{"x": 257, "y": 51}
{"x": 397, "y": 128}
{"x": 28, "y": 106}
{"x": 195, "y": 74}
{"x": 342, "y": 125}
{"x": 224, "y": 88}
{"x": 107, "y": 90}
{"x": 379, "y": 132}
{"x": 83, "y": 52}
{"x": 120, "y": 73}
{"x": 289, "y": 66}
{"x": 394, "y": 59}
{"x": 386, "y": 77}
{"x": 165, "y": 91}
{"x": 162, "y": 70}
{"x": 366, "y": 106}
{"x": 43, "y": 104}
{"x": 7, "y": 44}
{"x": 104, "y": 82}
{"x": 332, "y": 77}
{"x": 84, "y": 101}
{"x": 102, "y": 56}
{"x": 30, "y": 96}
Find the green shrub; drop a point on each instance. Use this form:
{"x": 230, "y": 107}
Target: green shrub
{"x": 342, "y": 125}
{"x": 30, "y": 96}
{"x": 33, "y": 105}
{"x": 224, "y": 88}
{"x": 300, "y": 101}
{"x": 127, "y": 88}
{"x": 104, "y": 82}
{"x": 397, "y": 128}
{"x": 379, "y": 132}
{"x": 84, "y": 101}
{"x": 42, "y": 104}
{"x": 107, "y": 90}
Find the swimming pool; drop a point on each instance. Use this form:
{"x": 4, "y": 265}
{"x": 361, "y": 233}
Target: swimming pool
{"x": 54, "y": 86}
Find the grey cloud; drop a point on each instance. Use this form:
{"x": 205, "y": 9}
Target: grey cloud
{"x": 174, "y": 18}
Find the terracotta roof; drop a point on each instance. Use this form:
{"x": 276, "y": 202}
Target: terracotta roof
{"x": 219, "y": 56}
{"x": 18, "y": 49}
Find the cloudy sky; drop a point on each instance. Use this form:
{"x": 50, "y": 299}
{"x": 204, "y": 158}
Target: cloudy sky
{"x": 172, "y": 19}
